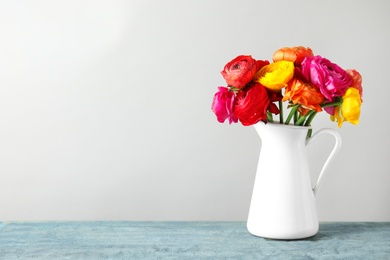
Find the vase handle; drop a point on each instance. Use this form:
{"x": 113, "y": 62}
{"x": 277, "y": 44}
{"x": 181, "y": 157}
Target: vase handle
{"x": 335, "y": 150}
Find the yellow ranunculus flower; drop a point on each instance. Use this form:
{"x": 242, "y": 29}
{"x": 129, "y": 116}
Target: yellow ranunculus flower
{"x": 349, "y": 110}
{"x": 275, "y": 76}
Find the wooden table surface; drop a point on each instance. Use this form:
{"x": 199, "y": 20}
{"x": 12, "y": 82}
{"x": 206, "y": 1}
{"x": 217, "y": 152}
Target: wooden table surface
{"x": 186, "y": 240}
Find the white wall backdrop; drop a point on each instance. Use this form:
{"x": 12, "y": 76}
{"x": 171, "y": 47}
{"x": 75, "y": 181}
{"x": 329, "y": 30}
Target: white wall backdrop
{"x": 105, "y": 107}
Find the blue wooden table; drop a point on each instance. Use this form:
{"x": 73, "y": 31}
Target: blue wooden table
{"x": 185, "y": 240}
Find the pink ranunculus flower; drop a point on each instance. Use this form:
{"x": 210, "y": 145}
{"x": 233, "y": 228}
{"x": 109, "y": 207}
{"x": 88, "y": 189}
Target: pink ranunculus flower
{"x": 223, "y": 104}
{"x": 332, "y": 80}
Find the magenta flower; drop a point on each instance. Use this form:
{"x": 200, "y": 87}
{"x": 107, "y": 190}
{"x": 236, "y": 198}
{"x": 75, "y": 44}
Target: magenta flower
{"x": 331, "y": 80}
{"x": 223, "y": 104}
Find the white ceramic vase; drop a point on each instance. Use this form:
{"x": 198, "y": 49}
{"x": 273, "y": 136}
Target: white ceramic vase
{"x": 283, "y": 199}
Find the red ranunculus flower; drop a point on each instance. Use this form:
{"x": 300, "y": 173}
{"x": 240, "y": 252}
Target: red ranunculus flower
{"x": 261, "y": 63}
{"x": 274, "y": 97}
{"x": 251, "y": 104}
{"x": 240, "y": 71}
{"x": 332, "y": 80}
{"x": 222, "y": 105}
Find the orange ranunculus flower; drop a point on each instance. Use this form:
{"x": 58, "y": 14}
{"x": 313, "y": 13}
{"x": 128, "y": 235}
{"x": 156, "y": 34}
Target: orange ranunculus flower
{"x": 356, "y": 81}
{"x": 349, "y": 110}
{"x": 275, "y": 76}
{"x": 294, "y": 54}
{"x": 305, "y": 94}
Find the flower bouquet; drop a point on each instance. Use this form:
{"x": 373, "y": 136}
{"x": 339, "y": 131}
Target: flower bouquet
{"x": 256, "y": 89}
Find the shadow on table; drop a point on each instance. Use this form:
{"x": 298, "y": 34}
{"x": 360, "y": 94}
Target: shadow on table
{"x": 346, "y": 230}
{"x": 340, "y": 231}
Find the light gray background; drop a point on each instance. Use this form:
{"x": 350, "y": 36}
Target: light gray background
{"x": 105, "y": 107}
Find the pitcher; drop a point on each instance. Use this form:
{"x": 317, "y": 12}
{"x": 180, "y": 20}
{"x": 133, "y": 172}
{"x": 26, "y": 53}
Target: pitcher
{"x": 283, "y": 199}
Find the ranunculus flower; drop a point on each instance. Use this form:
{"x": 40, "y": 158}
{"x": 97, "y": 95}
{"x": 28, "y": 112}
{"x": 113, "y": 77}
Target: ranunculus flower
{"x": 332, "y": 80}
{"x": 274, "y": 97}
{"x": 240, "y": 71}
{"x": 356, "y": 81}
{"x": 222, "y": 105}
{"x": 294, "y": 54}
{"x": 251, "y": 104}
{"x": 305, "y": 94}
{"x": 349, "y": 110}
{"x": 260, "y": 64}
{"x": 275, "y": 76}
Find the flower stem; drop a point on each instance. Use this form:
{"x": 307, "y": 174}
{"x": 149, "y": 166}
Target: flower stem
{"x": 281, "y": 111}
{"x": 269, "y": 117}
{"x": 291, "y": 114}
{"x": 295, "y": 116}
{"x": 332, "y": 104}
{"x": 310, "y": 118}
{"x": 308, "y": 123}
{"x": 302, "y": 119}
{"x": 309, "y": 132}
